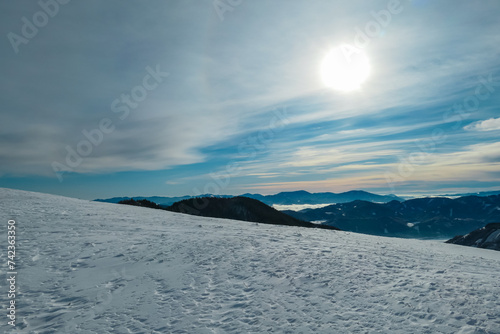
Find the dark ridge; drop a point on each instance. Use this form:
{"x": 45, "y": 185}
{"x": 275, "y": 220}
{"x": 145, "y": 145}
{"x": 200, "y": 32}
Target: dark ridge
{"x": 239, "y": 208}
{"x": 486, "y": 237}
{"x": 142, "y": 202}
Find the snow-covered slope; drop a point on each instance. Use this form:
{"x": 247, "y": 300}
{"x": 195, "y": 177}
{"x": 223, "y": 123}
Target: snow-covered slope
{"x": 88, "y": 267}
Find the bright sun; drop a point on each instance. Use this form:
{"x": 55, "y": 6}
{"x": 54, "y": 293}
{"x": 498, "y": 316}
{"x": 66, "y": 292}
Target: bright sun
{"x": 345, "y": 68}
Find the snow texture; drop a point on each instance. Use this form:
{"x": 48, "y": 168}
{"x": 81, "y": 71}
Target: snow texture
{"x": 88, "y": 267}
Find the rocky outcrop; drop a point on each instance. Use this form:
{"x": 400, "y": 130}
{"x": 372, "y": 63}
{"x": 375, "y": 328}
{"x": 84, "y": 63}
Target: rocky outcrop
{"x": 486, "y": 237}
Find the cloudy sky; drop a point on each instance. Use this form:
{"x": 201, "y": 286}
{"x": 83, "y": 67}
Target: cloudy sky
{"x": 163, "y": 97}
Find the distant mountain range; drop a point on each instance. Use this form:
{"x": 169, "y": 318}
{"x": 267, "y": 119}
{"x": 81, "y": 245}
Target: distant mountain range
{"x": 416, "y": 218}
{"x": 432, "y": 217}
{"x": 304, "y": 197}
{"x": 283, "y": 198}
{"x": 480, "y": 194}
{"x": 486, "y": 237}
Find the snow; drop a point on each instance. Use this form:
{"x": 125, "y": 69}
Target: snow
{"x": 319, "y": 221}
{"x": 493, "y": 236}
{"x": 88, "y": 267}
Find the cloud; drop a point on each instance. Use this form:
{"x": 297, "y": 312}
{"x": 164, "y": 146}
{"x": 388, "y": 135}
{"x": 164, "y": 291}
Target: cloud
{"x": 352, "y": 132}
{"x": 473, "y": 163}
{"x": 491, "y": 124}
{"x": 327, "y": 156}
{"x": 226, "y": 77}
{"x": 477, "y": 154}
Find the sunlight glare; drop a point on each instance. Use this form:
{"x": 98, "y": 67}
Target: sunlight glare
{"x": 345, "y": 68}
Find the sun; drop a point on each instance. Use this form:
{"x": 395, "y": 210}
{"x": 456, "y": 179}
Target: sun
{"x": 345, "y": 68}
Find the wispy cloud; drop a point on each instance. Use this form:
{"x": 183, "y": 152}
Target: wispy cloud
{"x": 491, "y": 124}
{"x": 225, "y": 78}
{"x": 311, "y": 156}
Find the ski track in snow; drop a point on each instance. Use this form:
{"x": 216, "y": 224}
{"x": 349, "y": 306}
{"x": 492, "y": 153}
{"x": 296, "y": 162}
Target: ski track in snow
{"x": 88, "y": 267}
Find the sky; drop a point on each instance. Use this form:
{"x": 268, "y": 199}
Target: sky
{"x": 170, "y": 98}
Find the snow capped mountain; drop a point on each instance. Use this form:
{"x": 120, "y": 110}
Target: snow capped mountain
{"x": 89, "y": 267}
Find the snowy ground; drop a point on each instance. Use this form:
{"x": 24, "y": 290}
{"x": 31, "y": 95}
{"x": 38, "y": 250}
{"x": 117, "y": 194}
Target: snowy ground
{"x": 88, "y": 267}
